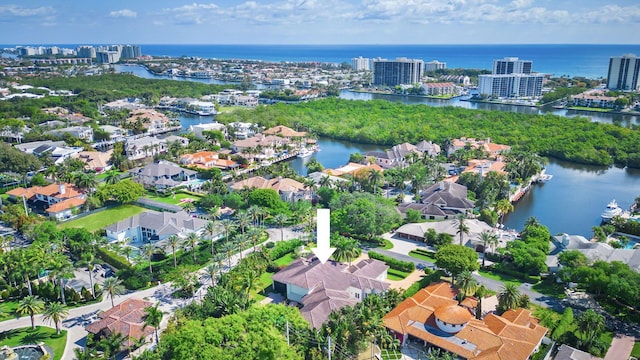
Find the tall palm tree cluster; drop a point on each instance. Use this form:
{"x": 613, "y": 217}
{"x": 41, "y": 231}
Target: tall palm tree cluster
{"x": 354, "y": 328}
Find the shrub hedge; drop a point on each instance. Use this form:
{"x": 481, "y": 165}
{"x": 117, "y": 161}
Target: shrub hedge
{"x": 393, "y": 263}
{"x": 112, "y": 259}
{"x": 284, "y": 247}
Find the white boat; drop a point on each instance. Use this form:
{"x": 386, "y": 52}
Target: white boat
{"x": 545, "y": 177}
{"x": 610, "y": 211}
{"x": 304, "y": 153}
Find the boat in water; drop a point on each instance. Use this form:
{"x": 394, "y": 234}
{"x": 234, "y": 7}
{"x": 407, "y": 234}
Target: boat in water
{"x": 304, "y": 152}
{"x": 610, "y": 211}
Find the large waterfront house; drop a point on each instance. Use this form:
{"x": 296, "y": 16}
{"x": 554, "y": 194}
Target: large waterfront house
{"x": 60, "y": 201}
{"x": 164, "y": 175}
{"x": 199, "y": 129}
{"x": 288, "y": 189}
{"x": 492, "y": 149}
{"x": 593, "y": 250}
{"x": 153, "y": 226}
{"x": 207, "y": 160}
{"x": 441, "y": 201}
{"x": 152, "y": 121}
{"x": 324, "y": 288}
{"x": 416, "y": 231}
{"x": 397, "y": 155}
{"x": 127, "y": 319}
{"x": 433, "y": 318}
{"x": 95, "y": 160}
{"x": 81, "y": 132}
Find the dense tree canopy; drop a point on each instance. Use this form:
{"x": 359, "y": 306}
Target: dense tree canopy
{"x": 456, "y": 259}
{"x": 363, "y": 214}
{"x": 14, "y": 160}
{"x": 389, "y": 123}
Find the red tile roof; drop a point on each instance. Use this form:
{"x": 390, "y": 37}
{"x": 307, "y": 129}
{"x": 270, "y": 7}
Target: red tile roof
{"x": 125, "y": 318}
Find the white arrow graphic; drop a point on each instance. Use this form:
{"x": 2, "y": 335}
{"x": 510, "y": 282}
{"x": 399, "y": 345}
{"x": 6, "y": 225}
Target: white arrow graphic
{"x": 323, "y": 230}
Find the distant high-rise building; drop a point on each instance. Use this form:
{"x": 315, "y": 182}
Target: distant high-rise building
{"x": 624, "y": 73}
{"x": 107, "y": 57}
{"x": 434, "y": 65}
{"x": 511, "y": 85}
{"x": 86, "y": 52}
{"x": 397, "y": 72}
{"x": 360, "y": 64}
{"x": 511, "y": 65}
{"x": 131, "y": 52}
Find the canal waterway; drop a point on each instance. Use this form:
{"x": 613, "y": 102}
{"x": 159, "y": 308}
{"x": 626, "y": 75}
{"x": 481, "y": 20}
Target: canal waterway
{"x": 570, "y": 203}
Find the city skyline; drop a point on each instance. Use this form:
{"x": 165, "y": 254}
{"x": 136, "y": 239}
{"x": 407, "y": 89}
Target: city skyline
{"x": 321, "y": 22}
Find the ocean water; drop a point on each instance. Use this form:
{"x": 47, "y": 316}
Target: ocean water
{"x": 573, "y": 60}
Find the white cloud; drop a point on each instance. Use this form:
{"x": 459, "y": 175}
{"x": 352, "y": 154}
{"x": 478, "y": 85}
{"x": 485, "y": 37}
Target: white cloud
{"x": 15, "y": 10}
{"x": 124, "y": 13}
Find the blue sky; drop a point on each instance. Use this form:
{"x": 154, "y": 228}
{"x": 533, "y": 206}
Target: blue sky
{"x": 320, "y": 21}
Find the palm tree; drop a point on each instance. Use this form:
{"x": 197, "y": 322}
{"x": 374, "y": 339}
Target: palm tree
{"x": 508, "y": 297}
{"x": 228, "y": 248}
{"x": 532, "y": 221}
{"x": 148, "y": 250}
{"x": 228, "y": 226}
{"x": 174, "y": 242}
{"x": 481, "y": 293}
{"x": 466, "y": 283}
{"x": 254, "y": 212}
{"x": 153, "y": 317}
{"x": 192, "y": 242}
{"x": 112, "y": 178}
{"x": 374, "y": 178}
{"x": 112, "y": 344}
{"x": 212, "y": 270}
{"x": 488, "y": 239}
{"x": 113, "y": 287}
{"x": 346, "y": 250}
{"x": 243, "y": 219}
{"x": 210, "y": 228}
{"x": 590, "y": 324}
{"x": 280, "y": 220}
{"x": 461, "y": 227}
{"x": 127, "y": 251}
{"x": 189, "y": 207}
{"x": 30, "y": 305}
{"x": 61, "y": 268}
{"x": 503, "y": 207}
{"x": 55, "y": 312}
{"x": 254, "y": 234}
{"x": 90, "y": 262}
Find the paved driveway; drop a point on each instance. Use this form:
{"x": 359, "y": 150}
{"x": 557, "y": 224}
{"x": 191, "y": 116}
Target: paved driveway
{"x": 621, "y": 347}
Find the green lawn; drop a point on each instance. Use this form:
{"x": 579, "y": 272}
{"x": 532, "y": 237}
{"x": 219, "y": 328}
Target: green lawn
{"x": 500, "y": 277}
{"x": 416, "y": 255}
{"x": 106, "y": 173}
{"x": 103, "y": 218}
{"x": 588, "y": 109}
{"x": 396, "y": 275}
{"x": 264, "y": 283}
{"x": 391, "y": 355}
{"x": 26, "y": 336}
{"x": 636, "y": 350}
{"x": 551, "y": 288}
{"x": 388, "y": 245}
{"x": 7, "y": 310}
{"x": 285, "y": 260}
{"x": 169, "y": 199}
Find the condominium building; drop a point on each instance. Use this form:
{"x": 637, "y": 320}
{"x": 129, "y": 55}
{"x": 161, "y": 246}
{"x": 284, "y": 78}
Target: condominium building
{"x": 107, "y": 57}
{"x": 511, "y": 85}
{"x": 434, "y": 65}
{"x": 131, "y": 52}
{"x": 512, "y": 65}
{"x": 360, "y": 64}
{"x": 624, "y": 73}
{"x": 86, "y": 52}
{"x": 397, "y": 72}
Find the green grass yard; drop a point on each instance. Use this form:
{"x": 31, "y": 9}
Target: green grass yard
{"x": 285, "y": 260}
{"x": 171, "y": 199}
{"x": 26, "y": 336}
{"x": 636, "y": 350}
{"x": 101, "y": 219}
{"x": 416, "y": 255}
{"x": 396, "y": 275}
{"x": 7, "y": 310}
{"x": 500, "y": 277}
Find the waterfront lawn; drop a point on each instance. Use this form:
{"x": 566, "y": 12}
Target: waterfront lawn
{"x": 26, "y": 336}
{"x": 101, "y": 219}
{"x": 396, "y": 275}
{"x": 500, "y": 277}
{"x": 583, "y": 108}
{"x": 169, "y": 199}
